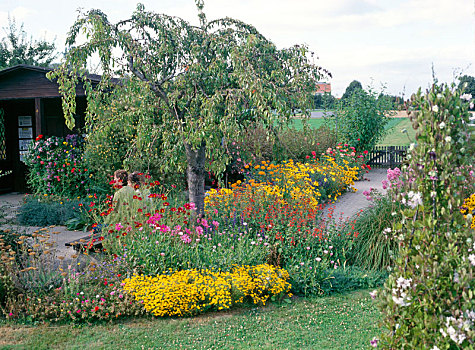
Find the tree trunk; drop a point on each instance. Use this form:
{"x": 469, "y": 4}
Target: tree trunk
{"x": 196, "y": 176}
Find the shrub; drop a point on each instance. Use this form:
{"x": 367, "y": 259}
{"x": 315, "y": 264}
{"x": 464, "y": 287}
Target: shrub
{"x": 56, "y": 166}
{"x": 361, "y": 119}
{"x": 47, "y": 210}
{"x": 428, "y": 300}
{"x": 298, "y": 144}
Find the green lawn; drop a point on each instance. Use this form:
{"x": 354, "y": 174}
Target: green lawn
{"x": 395, "y": 137}
{"x": 347, "y": 321}
{"x": 314, "y": 123}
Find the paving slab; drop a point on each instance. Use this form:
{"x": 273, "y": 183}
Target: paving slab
{"x": 59, "y": 235}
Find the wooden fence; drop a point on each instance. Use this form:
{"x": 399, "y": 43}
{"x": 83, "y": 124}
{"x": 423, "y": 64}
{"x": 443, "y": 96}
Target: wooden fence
{"x": 387, "y": 156}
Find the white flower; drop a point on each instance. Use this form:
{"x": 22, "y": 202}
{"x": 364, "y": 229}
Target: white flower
{"x": 387, "y": 230}
{"x": 403, "y": 283}
{"x": 318, "y": 259}
{"x": 415, "y": 199}
{"x": 435, "y": 108}
{"x": 448, "y": 139}
{"x": 471, "y": 258}
{"x": 442, "y": 125}
{"x": 466, "y": 97}
{"x": 471, "y": 105}
{"x": 435, "y": 348}
{"x": 373, "y": 294}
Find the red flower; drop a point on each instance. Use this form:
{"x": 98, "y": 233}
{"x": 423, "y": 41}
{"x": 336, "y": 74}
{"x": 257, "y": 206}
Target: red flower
{"x": 39, "y": 137}
{"x": 96, "y": 308}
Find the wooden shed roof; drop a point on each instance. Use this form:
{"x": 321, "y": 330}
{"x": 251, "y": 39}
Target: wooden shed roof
{"x": 25, "y": 81}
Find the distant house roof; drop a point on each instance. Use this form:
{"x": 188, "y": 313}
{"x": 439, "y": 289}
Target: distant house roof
{"x": 322, "y": 88}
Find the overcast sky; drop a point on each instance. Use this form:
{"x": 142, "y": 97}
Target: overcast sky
{"x": 390, "y": 42}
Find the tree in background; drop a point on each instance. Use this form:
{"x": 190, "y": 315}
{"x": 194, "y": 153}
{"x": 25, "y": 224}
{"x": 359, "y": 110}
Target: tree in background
{"x": 362, "y": 117}
{"x": 324, "y": 101}
{"x": 203, "y": 79}
{"x": 354, "y": 86}
{"x": 16, "y": 48}
{"x": 467, "y": 84}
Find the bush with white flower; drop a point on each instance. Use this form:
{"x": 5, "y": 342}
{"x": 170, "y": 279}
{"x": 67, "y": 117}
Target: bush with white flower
{"x": 428, "y": 302}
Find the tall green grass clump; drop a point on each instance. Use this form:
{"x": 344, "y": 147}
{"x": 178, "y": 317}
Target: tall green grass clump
{"x": 375, "y": 246}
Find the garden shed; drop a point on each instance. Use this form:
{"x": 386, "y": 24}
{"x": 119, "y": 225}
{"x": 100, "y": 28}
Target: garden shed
{"x": 30, "y": 105}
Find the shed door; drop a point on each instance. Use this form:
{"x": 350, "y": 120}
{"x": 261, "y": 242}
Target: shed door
{"x": 6, "y": 166}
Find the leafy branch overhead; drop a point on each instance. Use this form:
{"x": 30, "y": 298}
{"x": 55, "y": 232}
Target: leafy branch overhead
{"x": 204, "y": 77}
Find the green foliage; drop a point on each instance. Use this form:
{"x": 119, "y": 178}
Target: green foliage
{"x": 352, "y": 88}
{"x": 202, "y": 78}
{"x": 428, "y": 300}
{"x": 45, "y": 211}
{"x": 16, "y": 48}
{"x": 349, "y": 278}
{"x": 324, "y": 101}
{"x": 255, "y": 145}
{"x": 361, "y": 119}
{"x": 126, "y": 133}
{"x": 298, "y": 144}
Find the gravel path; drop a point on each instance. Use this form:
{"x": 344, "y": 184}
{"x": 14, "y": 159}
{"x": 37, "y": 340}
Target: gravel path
{"x": 352, "y": 202}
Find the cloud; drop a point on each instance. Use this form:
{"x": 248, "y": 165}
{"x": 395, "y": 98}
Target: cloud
{"x": 20, "y": 14}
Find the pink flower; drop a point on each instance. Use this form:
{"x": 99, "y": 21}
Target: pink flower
{"x": 215, "y": 223}
{"x": 185, "y": 238}
{"x": 118, "y": 227}
{"x": 199, "y": 230}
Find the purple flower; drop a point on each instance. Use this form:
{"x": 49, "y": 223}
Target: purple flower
{"x": 374, "y": 342}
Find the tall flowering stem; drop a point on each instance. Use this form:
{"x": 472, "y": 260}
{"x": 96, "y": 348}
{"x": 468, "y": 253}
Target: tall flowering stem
{"x": 428, "y": 301}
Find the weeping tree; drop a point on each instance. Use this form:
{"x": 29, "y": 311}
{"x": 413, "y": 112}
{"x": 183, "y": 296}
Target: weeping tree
{"x": 204, "y": 79}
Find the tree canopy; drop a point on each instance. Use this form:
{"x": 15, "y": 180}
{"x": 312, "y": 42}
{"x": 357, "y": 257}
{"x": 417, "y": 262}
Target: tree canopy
{"x": 16, "y": 48}
{"x": 204, "y": 78}
{"x": 355, "y": 85}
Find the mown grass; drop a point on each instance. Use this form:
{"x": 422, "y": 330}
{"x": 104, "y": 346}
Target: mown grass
{"x": 313, "y": 123}
{"x": 346, "y": 321}
{"x": 395, "y": 137}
